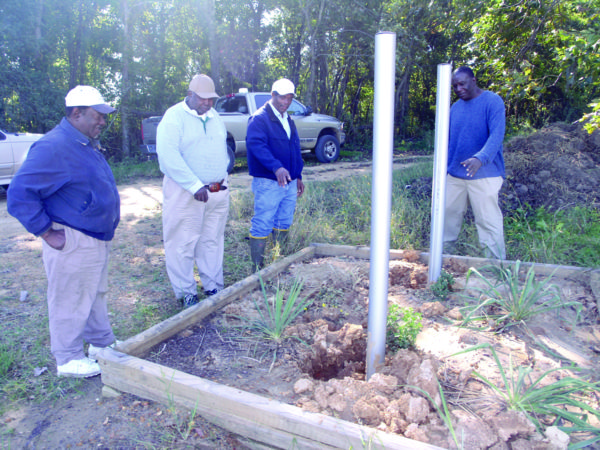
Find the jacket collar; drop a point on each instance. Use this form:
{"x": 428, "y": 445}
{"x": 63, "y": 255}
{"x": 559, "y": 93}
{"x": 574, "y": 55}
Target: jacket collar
{"x": 77, "y": 135}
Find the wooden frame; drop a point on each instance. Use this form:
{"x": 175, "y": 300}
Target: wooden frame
{"x": 269, "y": 423}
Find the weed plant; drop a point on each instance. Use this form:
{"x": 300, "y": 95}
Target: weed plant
{"x": 403, "y": 326}
{"x": 563, "y": 400}
{"x": 280, "y": 313}
{"x": 443, "y": 412}
{"x": 443, "y": 286}
{"x": 515, "y": 301}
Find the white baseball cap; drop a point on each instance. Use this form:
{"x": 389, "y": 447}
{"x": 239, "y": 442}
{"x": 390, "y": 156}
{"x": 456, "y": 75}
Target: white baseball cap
{"x": 283, "y": 87}
{"x": 88, "y": 96}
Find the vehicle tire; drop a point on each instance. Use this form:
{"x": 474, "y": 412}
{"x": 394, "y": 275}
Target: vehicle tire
{"x": 327, "y": 149}
{"x": 231, "y": 154}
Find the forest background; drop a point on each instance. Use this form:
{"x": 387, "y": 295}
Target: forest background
{"x": 541, "y": 56}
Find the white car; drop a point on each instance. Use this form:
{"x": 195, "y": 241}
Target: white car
{"x": 13, "y": 151}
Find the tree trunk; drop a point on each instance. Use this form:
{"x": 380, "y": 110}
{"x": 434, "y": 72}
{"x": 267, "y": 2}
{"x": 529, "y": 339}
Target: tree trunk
{"x": 125, "y": 86}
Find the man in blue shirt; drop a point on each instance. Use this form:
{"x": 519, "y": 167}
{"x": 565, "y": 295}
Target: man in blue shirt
{"x": 65, "y": 193}
{"x": 275, "y": 162}
{"x": 475, "y": 163}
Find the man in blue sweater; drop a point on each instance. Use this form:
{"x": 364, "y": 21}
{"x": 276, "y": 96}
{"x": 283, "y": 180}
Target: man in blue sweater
{"x": 275, "y": 162}
{"x": 65, "y": 193}
{"x": 475, "y": 163}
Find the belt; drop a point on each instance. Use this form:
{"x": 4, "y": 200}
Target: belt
{"x": 215, "y": 187}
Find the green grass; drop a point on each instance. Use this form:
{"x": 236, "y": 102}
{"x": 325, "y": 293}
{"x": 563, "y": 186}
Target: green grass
{"x": 566, "y": 237}
{"x": 132, "y": 170}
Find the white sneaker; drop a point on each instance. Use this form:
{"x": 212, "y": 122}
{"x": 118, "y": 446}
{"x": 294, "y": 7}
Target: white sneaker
{"x": 79, "y": 368}
{"x": 93, "y": 350}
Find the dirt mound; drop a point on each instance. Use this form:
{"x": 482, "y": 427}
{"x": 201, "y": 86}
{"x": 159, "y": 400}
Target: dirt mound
{"x": 556, "y": 167}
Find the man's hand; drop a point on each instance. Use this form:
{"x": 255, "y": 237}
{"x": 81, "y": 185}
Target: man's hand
{"x": 283, "y": 176}
{"x": 472, "y": 165}
{"x": 300, "y": 187}
{"x": 202, "y": 194}
{"x": 55, "y": 238}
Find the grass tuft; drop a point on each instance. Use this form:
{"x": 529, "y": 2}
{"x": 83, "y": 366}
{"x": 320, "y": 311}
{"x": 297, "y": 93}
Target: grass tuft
{"x": 508, "y": 301}
{"x": 279, "y": 313}
{"x": 563, "y": 400}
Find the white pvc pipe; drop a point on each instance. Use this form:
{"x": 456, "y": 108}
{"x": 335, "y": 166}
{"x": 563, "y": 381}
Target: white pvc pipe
{"x": 381, "y": 196}
{"x": 440, "y": 168}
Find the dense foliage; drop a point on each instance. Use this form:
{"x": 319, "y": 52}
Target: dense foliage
{"x": 542, "y": 56}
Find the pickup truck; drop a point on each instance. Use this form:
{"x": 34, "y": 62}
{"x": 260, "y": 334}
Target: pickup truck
{"x": 13, "y": 151}
{"x": 320, "y": 134}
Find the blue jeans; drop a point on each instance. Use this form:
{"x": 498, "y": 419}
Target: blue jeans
{"x": 273, "y": 206}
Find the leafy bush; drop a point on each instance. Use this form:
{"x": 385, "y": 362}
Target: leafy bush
{"x": 443, "y": 286}
{"x": 403, "y": 326}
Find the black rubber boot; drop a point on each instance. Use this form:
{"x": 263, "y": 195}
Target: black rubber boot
{"x": 257, "y": 251}
{"x": 280, "y": 237}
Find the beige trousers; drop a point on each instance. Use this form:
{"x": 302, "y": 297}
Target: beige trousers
{"x": 482, "y": 194}
{"x": 77, "y": 286}
{"x": 193, "y": 232}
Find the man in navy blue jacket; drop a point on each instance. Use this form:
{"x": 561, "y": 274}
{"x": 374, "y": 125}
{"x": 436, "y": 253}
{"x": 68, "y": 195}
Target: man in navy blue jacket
{"x": 275, "y": 162}
{"x": 66, "y": 194}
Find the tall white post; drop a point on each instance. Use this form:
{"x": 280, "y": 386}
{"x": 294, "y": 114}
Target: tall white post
{"x": 381, "y": 196}
{"x": 440, "y": 167}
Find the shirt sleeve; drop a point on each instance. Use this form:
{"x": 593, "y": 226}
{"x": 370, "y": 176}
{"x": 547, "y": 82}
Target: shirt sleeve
{"x": 496, "y": 122}
{"x": 38, "y": 178}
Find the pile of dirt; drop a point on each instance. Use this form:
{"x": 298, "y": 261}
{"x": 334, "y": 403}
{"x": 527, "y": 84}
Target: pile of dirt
{"x": 556, "y": 167}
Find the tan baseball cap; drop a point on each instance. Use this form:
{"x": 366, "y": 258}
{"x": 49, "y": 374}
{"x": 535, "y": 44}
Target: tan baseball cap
{"x": 88, "y": 96}
{"x": 283, "y": 87}
{"x": 203, "y": 86}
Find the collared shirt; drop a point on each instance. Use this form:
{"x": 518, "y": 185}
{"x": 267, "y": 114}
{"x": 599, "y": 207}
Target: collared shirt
{"x": 283, "y": 118}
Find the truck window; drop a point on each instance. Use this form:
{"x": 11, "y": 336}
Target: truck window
{"x": 296, "y": 108}
{"x": 233, "y": 104}
{"x": 261, "y": 99}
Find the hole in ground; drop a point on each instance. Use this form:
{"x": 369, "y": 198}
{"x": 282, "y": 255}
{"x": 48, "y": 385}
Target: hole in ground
{"x": 337, "y": 354}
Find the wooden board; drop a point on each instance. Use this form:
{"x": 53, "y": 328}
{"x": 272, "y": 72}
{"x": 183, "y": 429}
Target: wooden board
{"x": 275, "y": 424}
{"x": 141, "y": 343}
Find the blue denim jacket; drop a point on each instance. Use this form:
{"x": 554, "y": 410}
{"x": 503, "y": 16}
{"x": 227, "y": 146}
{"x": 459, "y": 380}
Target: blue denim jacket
{"x": 268, "y": 147}
{"x": 65, "y": 180}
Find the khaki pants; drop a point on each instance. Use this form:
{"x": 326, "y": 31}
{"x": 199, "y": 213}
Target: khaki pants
{"x": 482, "y": 194}
{"x": 193, "y": 232}
{"x": 77, "y": 286}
